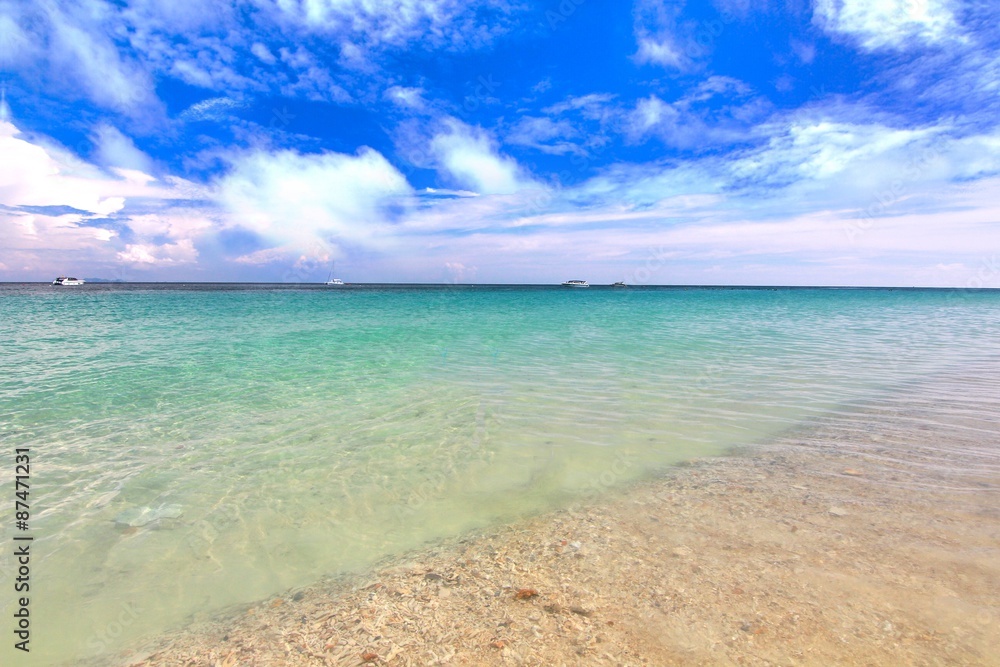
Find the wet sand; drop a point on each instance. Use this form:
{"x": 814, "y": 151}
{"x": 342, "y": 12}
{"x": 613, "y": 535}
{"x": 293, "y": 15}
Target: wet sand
{"x": 872, "y": 539}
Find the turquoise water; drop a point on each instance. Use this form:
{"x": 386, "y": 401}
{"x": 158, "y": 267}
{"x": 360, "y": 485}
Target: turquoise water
{"x": 195, "y": 447}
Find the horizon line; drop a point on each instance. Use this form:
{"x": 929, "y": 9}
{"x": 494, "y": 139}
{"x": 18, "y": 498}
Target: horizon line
{"x": 104, "y": 281}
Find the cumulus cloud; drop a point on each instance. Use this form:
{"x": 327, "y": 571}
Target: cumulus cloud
{"x": 181, "y": 252}
{"x": 470, "y": 157}
{"x": 33, "y": 175}
{"x": 51, "y": 199}
{"x": 306, "y": 201}
{"x": 176, "y": 223}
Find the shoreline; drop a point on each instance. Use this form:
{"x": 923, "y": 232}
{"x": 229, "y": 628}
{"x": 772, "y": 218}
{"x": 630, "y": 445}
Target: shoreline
{"x": 828, "y": 547}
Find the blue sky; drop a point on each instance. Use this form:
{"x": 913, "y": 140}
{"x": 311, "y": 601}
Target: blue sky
{"x": 828, "y": 142}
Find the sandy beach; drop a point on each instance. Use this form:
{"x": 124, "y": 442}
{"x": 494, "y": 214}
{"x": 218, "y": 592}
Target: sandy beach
{"x": 836, "y": 545}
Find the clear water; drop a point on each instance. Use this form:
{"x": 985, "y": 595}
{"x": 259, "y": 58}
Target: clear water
{"x": 307, "y": 432}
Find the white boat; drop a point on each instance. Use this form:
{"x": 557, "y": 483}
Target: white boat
{"x": 63, "y": 280}
{"x": 575, "y": 283}
{"x": 331, "y": 281}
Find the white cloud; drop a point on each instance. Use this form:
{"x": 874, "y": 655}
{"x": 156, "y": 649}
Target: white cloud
{"x": 264, "y": 53}
{"x": 663, "y": 39}
{"x": 82, "y": 55}
{"x": 189, "y": 16}
{"x": 16, "y": 45}
{"x": 32, "y": 175}
{"x": 408, "y": 98}
{"x": 39, "y": 247}
{"x": 315, "y": 83}
{"x": 200, "y": 43}
{"x": 452, "y": 23}
{"x": 691, "y": 122}
{"x": 208, "y": 70}
{"x": 177, "y": 223}
{"x": 312, "y": 80}
{"x": 544, "y": 134}
{"x": 719, "y": 239}
{"x": 54, "y": 207}
{"x": 306, "y": 201}
{"x": 459, "y": 272}
{"x": 804, "y": 51}
{"x": 268, "y": 256}
{"x": 116, "y": 53}
{"x": 469, "y": 157}
{"x": 964, "y": 232}
{"x": 661, "y": 51}
{"x": 37, "y": 172}
{"x": 877, "y": 24}
{"x": 181, "y": 252}
{"x": 542, "y": 86}
{"x": 815, "y": 149}
{"x": 595, "y": 106}
{"x": 216, "y": 108}
{"x": 649, "y": 113}
{"x": 114, "y": 149}
{"x": 718, "y": 85}
{"x": 110, "y": 53}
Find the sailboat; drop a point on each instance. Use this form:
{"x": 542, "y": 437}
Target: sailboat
{"x": 331, "y": 281}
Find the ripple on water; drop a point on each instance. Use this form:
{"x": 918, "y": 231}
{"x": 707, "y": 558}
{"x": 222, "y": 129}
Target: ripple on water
{"x": 201, "y": 448}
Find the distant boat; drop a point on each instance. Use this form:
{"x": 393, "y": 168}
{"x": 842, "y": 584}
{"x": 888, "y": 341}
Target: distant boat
{"x": 331, "y": 281}
{"x": 575, "y": 283}
{"x": 63, "y": 280}
{"x": 619, "y": 284}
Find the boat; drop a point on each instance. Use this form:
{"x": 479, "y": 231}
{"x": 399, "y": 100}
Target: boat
{"x": 575, "y": 283}
{"x": 63, "y": 280}
{"x": 333, "y": 282}
{"x": 619, "y": 284}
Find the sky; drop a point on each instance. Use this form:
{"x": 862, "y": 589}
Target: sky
{"x": 744, "y": 142}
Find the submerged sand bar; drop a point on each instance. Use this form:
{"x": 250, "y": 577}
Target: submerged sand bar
{"x": 871, "y": 538}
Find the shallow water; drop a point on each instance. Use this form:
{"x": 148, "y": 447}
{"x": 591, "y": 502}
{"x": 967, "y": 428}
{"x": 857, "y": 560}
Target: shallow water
{"x": 199, "y": 446}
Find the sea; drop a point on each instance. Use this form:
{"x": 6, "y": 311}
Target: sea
{"x": 195, "y": 447}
